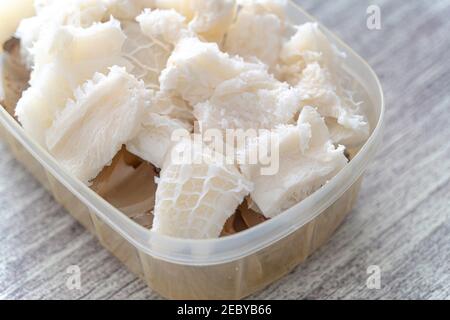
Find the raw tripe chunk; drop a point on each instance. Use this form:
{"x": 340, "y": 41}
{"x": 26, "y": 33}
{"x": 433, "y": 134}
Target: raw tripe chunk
{"x": 80, "y": 13}
{"x": 309, "y": 44}
{"x": 196, "y": 68}
{"x": 148, "y": 46}
{"x": 11, "y": 13}
{"x": 52, "y": 14}
{"x": 351, "y": 138}
{"x": 74, "y": 55}
{"x": 252, "y": 100}
{"x": 307, "y": 160}
{"x": 70, "y": 45}
{"x": 89, "y": 5}
{"x": 309, "y": 61}
{"x": 106, "y": 114}
{"x": 119, "y": 9}
{"x": 163, "y": 25}
{"x": 257, "y": 31}
{"x": 150, "y": 42}
{"x": 197, "y": 193}
{"x": 181, "y": 6}
{"x": 146, "y": 57}
{"x": 212, "y": 18}
{"x": 128, "y": 9}
{"x": 277, "y": 7}
{"x": 209, "y": 19}
{"x": 317, "y": 88}
{"x": 154, "y": 140}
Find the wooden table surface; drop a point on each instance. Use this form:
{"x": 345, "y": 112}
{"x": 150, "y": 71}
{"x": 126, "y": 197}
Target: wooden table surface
{"x": 401, "y": 222}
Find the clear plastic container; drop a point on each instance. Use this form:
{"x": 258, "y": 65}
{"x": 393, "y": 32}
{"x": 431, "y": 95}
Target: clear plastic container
{"x": 226, "y": 268}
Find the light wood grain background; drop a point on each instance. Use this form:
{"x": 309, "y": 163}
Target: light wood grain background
{"x": 401, "y": 221}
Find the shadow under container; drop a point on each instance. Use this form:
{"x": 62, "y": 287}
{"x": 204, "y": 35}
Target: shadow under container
{"x": 227, "y": 268}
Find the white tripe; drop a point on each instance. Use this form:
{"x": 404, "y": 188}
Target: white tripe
{"x": 105, "y": 114}
{"x": 307, "y": 45}
{"x": 210, "y": 20}
{"x": 153, "y": 75}
{"x": 71, "y": 56}
{"x": 318, "y": 89}
{"x": 310, "y": 63}
{"x": 306, "y": 159}
{"x": 196, "y": 68}
{"x": 257, "y": 31}
{"x": 150, "y": 41}
{"x": 196, "y": 195}
{"x": 252, "y": 100}
{"x": 50, "y": 15}
{"x": 154, "y": 140}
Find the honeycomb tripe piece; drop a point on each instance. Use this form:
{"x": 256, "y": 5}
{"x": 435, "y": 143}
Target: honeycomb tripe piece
{"x": 309, "y": 44}
{"x": 154, "y": 139}
{"x": 307, "y": 159}
{"x": 52, "y": 14}
{"x": 252, "y": 100}
{"x": 196, "y": 68}
{"x": 212, "y": 18}
{"x": 11, "y": 13}
{"x": 150, "y": 41}
{"x": 257, "y": 32}
{"x": 173, "y": 107}
{"x": 149, "y": 47}
{"x": 146, "y": 57}
{"x": 90, "y": 130}
{"x": 350, "y": 127}
{"x": 197, "y": 193}
{"x": 73, "y": 56}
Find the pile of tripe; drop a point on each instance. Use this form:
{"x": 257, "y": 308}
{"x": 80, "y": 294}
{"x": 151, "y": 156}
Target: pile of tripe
{"x": 109, "y": 73}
